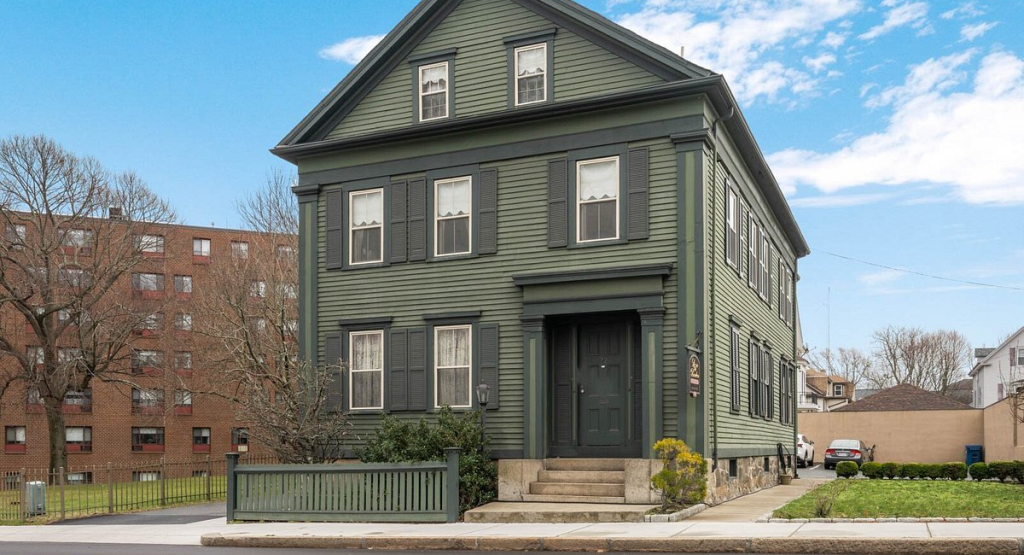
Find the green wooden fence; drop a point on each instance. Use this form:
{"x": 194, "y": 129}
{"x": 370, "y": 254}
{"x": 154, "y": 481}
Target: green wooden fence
{"x": 384, "y": 492}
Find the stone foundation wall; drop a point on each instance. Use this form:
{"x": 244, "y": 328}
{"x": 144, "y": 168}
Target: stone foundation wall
{"x": 750, "y": 477}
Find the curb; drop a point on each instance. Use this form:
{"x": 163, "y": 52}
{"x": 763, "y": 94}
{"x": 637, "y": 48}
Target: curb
{"x": 766, "y": 518}
{"x": 826, "y": 546}
{"x": 678, "y": 515}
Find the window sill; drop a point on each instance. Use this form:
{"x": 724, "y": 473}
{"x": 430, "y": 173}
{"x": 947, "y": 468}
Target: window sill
{"x": 601, "y": 243}
{"x": 447, "y": 257}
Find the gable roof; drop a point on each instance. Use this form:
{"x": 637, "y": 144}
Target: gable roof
{"x": 904, "y": 397}
{"x": 428, "y": 13}
{"x": 1015, "y": 336}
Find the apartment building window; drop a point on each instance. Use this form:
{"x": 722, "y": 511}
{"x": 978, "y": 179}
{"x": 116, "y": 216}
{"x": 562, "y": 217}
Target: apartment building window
{"x": 183, "y": 285}
{"x": 288, "y": 291}
{"x": 78, "y": 401}
{"x": 147, "y": 401}
{"x": 15, "y": 439}
{"x": 36, "y": 356}
{"x": 366, "y": 377}
{"x": 258, "y": 289}
{"x": 76, "y": 278}
{"x": 151, "y": 324}
{"x": 77, "y": 241}
{"x": 16, "y": 236}
{"x": 240, "y": 250}
{"x": 285, "y": 252}
{"x": 146, "y": 475}
{"x": 78, "y": 439}
{"x": 200, "y": 250}
{"x": 200, "y": 440}
{"x": 148, "y": 286}
{"x": 148, "y": 440}
{"x": 147, "y": 361}
{"x": 183, "y": 360}
{"x": 151, "y": 246}
{"x": 366, "y": 229}
{"x": 240, "y": 439}
{"x": 182, "y": 322}
{"x": 182, "y": 402}
{"x": 78, "y": 478}
{"x": 453, "y": 207}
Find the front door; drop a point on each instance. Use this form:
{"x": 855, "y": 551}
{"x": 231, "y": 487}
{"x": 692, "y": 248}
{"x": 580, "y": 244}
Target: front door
{"x": 603, "y": 383}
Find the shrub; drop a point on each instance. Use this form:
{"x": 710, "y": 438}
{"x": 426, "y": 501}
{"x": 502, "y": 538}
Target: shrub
{"x": 825, "y": 495}
{"x": 979, "y": 471}
{"x": 400, "y": 440}
{"x": 846, "y": 469}
{"x": 911, "y": 471}
{"x": 683, "y": 477}
{"x": 890, "y": 470}
{"x": 871, "y": 470}
{"x": 933, "y": 471}
{"x": 954, "y": 471}
{"x": 1018, "y": 471}
{"x": 1001, "y": 470}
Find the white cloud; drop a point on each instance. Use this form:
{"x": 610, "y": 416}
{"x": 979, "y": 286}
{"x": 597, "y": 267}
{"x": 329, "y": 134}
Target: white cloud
{"x": 971, "y": 32}
{"x": 912, "y": 14}
{"x": 351, "y": 50}
{"x": 966, "y": 140}
{"x": 741, "y": 39}
{"x": 833, "y": 39}
{"x": 820, "y": 62}
{"x": 880, "y": 278}
{"x": 970, "y": 9}
{"x": 839, "y": 201}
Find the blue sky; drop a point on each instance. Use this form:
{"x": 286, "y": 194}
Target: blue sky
{"x": 893, "y": 126}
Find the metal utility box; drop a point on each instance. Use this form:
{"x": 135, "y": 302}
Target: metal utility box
{"x": 35, "y": 498}
{"x": 975, "y": 454}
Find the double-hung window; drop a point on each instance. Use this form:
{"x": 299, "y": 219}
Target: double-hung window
{"x": 753, "y": 276}
{"x": 453, "y": 208}
{"x": 453, "y": 366}
{"x": 366, "y": 376}
{"x": 433, "y": 91}
{"x": 597, "y": 199}
{"x": 763, "y": 267}
{"x": 731, "y": 227}
{"x": 531, "y": 68}
{"x": 366, "y": 226}
{"x": 200, "y": 249}
{"x": 78, "y": 438}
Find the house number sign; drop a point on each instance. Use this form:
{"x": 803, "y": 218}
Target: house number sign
{"x": 694, "y": 367}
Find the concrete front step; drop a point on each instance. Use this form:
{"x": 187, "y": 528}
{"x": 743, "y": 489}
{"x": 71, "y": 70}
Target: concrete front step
{"x": 537, "y": 498}
{"x": 583, "y": 476}
{"x": 502, "y": 511}
{"x": 569, "y": 488}
{"x": 585, "y": 464}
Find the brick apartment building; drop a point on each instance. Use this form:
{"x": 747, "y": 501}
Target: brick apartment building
{"x": 159, "y": 413}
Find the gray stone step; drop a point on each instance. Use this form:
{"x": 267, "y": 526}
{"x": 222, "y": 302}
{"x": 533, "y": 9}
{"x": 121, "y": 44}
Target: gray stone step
{"x": 585, "y": 464}
{"x": 578, "y": 489}
{"x": 536, "y": 498}
{"x": 557, "y": 512}
{"x": 583, "y": 476}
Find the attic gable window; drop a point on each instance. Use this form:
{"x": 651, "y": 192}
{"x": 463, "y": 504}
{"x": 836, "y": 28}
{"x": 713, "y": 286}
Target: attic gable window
{"x": 531, "y": 68}
{"x": 433, "y": 90}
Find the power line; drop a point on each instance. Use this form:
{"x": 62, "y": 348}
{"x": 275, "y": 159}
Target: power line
{"x": 922, "y": 274}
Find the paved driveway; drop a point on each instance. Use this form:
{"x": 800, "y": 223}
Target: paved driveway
{"x": 816, "y": 472}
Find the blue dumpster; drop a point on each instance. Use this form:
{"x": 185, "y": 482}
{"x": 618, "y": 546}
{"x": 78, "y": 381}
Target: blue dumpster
{"x": 974, "y": 454}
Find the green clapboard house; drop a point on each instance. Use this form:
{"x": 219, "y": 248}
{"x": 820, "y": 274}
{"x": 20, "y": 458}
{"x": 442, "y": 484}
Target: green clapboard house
{"x": 523, "y": 194}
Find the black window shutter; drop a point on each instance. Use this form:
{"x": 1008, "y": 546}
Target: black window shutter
{"x": 487, "y": 220}
{"x": 752, "y": 379}
{"x": 741, "y": 256}
{"x": 639, "y": 174}
{"x": 488, "y": 350}
{"x": 398, "y": 369}
{"x": 770, "y": 387}
{"x": 335, "y": 229}
{"x": 332, "y": 361}
{"x": 418, "y": 369}
{"x": 398, "y": 222}
{"x": 558, "y": 206}
{"x": 417, "y": 220}
{"x": 735, "y": 369}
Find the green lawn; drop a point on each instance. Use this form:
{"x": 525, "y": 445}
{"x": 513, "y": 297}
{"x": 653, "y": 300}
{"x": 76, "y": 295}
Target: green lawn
{"x": 917, "y": 498}
{"x": 85, "y": 500}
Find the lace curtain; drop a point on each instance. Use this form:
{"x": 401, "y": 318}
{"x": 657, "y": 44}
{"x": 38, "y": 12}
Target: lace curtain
{"x": 367, "y": 209}
{"x": 599, "y": 180}
{"x": 453, "y": 198}
{"x": 532, "y": 61}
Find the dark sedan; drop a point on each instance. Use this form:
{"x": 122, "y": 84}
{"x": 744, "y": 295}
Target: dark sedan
{"x": 847, "y": 450}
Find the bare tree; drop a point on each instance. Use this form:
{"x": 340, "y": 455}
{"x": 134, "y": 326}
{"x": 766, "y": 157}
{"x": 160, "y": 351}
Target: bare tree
{"x": 848, "y": 363}
{"x": 250, "y": 310}
{"x": 71, "y": 236}
{"x": 930, "y": 360}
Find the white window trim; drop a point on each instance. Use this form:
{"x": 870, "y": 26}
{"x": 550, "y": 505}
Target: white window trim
{"x": 731, "y": 223}
{"x": 789, "y": 297}
{"x": 838, "y": 390}
{"x": 515, "y": 56}
{"x": 468, "y": 216}
{"x": 204, "y": 247}
{"x": 420, "y": 94}
{"x": 763, "y": 264}
{"x": 752, "y": 237}
{"x": 352, "y": 227}
{"x": 469, "y": 394}
{"x": 580, "y": 203}
{"x": 353, "y": 371}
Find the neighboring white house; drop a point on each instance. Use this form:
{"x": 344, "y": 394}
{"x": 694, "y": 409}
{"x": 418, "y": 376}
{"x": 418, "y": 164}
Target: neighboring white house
{"x": 998, "y": 372}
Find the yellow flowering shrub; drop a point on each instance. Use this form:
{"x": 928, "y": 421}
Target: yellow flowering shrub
{"x": 683, "y": 479}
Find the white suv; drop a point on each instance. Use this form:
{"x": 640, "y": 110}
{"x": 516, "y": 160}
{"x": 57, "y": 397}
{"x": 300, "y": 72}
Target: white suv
{"x": 804, "y": 451}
